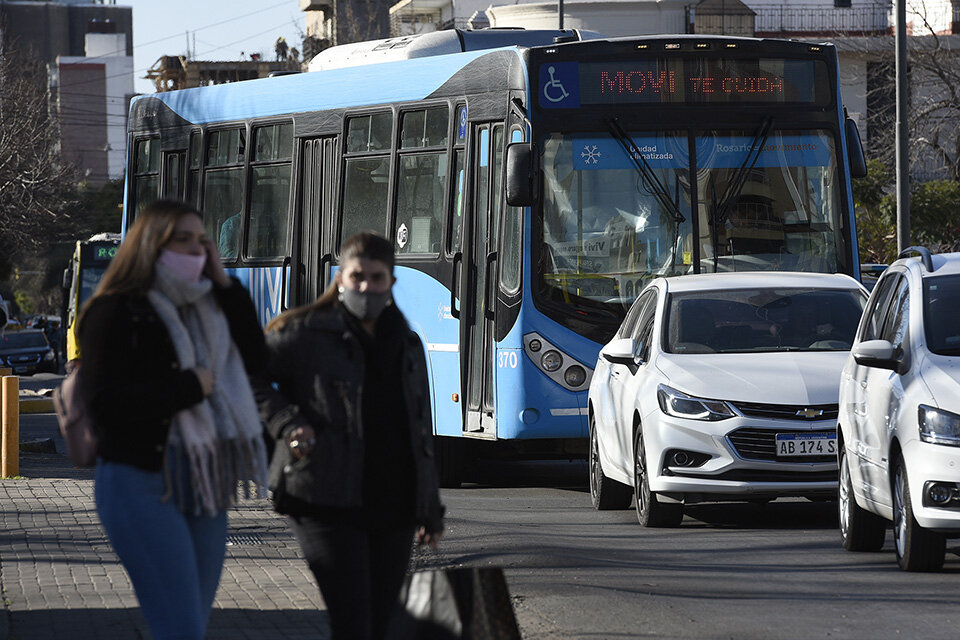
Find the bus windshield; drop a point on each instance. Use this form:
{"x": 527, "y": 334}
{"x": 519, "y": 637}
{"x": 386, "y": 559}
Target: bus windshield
{"x": 767, "y": 199}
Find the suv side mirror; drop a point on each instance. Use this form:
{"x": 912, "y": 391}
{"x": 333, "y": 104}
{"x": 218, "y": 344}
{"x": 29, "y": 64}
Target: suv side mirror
{"x": 523, "y": 174}
{"x": 879, "y": 354}
{"x": 858, "y": 163}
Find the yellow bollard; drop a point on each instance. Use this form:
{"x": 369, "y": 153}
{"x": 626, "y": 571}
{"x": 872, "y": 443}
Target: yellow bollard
{"x": 10, "y": 453}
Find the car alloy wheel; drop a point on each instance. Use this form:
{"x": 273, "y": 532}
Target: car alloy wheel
{"x": 918, "y": 549}
{"x": 860, "y": 530}
{"x": 650, "y": 511}
{"x": 605, "y": 494}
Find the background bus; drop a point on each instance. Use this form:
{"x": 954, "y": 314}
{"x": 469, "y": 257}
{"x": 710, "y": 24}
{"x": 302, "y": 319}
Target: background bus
{"x": 532, "y": 182}
{"x": 90, "y": 260}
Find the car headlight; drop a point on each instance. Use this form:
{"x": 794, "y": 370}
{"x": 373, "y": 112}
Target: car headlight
{"x": 680, "y": 405}
{"x": 938, "y": 426}
{"x": 48, "y": 355}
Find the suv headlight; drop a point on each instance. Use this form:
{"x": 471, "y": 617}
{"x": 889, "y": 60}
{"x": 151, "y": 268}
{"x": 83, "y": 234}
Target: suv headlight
{"x": 938, "y": 426}
{"x": 49, "y": 355}
{"x": 680, "y": 405}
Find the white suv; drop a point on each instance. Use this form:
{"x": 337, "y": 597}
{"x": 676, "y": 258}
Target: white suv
{"x": 899, "y": 422}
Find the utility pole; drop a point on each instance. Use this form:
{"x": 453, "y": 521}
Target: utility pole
{"x": 903, "y": 132}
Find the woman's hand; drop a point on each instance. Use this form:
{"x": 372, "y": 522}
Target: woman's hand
{"x": 205, "y": 376}
{"x": 301, "y": 441}
{"x": 432, "y": 539}
{"x": 214, "y": 269}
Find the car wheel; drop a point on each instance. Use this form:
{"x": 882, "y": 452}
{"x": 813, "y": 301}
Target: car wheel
{"x": 605, "y": 494}
{"x": 860, "y": 530}
{"x": 650, "y": 511}
{"x": 918, "y": 549}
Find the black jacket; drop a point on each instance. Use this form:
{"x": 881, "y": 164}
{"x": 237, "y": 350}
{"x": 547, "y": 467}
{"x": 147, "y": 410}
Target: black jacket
{"x": 318, "y": 364}
{"x": 132, "y": 383}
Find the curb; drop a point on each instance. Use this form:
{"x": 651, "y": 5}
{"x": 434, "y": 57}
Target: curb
{"x": 36, "y": 405}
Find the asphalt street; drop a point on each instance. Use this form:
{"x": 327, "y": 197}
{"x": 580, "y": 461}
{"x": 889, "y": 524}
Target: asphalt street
{"x": 733, "y": 570}
{"x": 730, "y": 571}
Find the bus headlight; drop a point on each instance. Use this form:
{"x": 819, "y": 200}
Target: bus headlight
{"x": 575, "y": 375}
{"x": 551, "y": 360}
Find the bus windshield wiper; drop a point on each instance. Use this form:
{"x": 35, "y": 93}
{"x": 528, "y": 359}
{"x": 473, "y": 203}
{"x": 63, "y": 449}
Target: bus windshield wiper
{"x": 735, "y": 186}
{"x": 651, "y": 180}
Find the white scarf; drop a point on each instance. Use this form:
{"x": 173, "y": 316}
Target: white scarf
{"x": 221, "y": 437}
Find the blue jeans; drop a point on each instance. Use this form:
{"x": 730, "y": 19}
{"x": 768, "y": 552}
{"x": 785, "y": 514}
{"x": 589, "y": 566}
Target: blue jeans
{"x": 174, "y": 559}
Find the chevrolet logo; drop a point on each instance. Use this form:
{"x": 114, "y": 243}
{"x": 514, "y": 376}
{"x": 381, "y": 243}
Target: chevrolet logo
{"x": 809, "y": 414}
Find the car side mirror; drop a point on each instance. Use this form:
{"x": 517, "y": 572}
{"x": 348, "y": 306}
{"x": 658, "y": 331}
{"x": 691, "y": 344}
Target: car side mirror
{"x": 858, "y": 163}
{"x": 619, "y": 351}
{"x": 523, "y": 174}
{"x": 879, "y": 354}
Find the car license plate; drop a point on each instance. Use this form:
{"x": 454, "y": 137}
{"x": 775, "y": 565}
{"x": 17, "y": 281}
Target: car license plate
{"x": 806, "y": 444}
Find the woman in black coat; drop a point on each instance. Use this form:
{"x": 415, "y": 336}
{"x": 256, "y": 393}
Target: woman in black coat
{"x": 167, "y": 341}
{"x": 353, "y": 467}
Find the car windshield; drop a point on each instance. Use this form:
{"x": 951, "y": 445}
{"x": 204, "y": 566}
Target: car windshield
{"x": 758, "y": 320}
{"x": 22, "y": 340}
{"x": 941, "y": 301}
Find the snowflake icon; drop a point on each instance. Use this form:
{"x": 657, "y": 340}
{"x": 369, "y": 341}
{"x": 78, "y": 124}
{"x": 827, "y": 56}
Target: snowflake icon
{"x": 590, "y": 154}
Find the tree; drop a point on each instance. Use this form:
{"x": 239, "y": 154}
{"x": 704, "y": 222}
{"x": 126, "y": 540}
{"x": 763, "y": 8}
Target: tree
{"x": 36, "y": 186}
{"x": 876, "y": 224}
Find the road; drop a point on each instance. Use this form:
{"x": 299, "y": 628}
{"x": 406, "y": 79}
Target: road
{"x": 730, "y": 571}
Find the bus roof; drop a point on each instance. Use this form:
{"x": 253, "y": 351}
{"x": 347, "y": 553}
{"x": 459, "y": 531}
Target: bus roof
{"x": 438, "y": 43}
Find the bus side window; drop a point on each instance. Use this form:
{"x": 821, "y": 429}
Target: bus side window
{"x": 223, "y": 190}
{"x": 422, "y": 180}
{"x": 366, "y": 176}
{"x": 270, "y": 191}
{"x": 146, "y": 169}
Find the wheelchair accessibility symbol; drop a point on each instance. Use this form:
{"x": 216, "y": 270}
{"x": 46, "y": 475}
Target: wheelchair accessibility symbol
{"x": 553, "y": 90}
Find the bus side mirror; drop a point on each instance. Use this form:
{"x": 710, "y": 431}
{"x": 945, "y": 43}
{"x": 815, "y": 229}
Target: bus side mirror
{"x": 523, "y": 174}
{"x": 66, "y": 278}
{"x": 858, "y": 163}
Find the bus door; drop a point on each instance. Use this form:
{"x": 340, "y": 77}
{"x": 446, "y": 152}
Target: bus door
{"x": 313, "y": 229}
{"x": 477, "y": 366}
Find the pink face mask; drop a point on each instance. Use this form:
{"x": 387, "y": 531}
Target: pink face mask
{"x": 183, "y": 265}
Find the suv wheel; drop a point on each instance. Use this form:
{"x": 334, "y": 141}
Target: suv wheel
{"x": 605, "y": 494}
{"x": 860, "y": 530}
{"x": 918, "y": 549}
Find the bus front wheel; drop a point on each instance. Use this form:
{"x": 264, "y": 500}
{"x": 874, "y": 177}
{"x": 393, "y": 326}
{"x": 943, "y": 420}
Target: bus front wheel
{"x": 450, "y": 458}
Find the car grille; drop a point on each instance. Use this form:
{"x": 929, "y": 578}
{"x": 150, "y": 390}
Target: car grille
{"x": 761, "y": 444}
{"x": 805, "y": 412}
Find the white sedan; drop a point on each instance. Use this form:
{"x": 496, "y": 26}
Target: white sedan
{"x": 721, "y": 387}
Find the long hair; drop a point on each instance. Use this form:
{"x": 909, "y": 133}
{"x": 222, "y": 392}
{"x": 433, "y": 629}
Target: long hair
{"x": 365, "y": 244}
{"x": 132, "y": 269}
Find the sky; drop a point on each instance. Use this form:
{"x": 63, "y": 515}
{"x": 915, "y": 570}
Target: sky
{"x": 221, "y": 30}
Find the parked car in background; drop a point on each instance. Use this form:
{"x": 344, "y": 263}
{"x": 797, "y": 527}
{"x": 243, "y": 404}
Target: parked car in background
{"x": 27, "y": 352}
{"x": 899, "y": 452}
{"x": 721, "y": 387}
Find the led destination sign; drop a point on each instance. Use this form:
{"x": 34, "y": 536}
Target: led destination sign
{"x": 685, "y": 81}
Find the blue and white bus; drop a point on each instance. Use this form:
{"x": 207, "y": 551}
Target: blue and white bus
{"x": 532, "y": 182}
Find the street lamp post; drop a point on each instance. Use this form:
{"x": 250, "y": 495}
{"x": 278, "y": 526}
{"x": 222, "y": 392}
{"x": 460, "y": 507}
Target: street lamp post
{"x": 903, "y": 132}
{"x": 560, "y": 13}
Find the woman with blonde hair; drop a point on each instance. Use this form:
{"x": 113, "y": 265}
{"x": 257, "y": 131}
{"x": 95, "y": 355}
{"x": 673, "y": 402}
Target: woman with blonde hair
{"x": 167, "y": 341}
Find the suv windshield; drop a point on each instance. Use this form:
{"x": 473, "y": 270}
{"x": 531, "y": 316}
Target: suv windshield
{"x": 762, "y": 200}
{"x": 22, "y": 340}
{"x": 941, "y": 302}
{"x": 758, "y": 320}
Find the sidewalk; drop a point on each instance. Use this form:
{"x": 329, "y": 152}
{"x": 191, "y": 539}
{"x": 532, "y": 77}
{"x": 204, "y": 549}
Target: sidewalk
{"x": 59, "y": 578}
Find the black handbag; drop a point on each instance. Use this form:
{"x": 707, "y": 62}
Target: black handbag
{"x": 470, "y": 603}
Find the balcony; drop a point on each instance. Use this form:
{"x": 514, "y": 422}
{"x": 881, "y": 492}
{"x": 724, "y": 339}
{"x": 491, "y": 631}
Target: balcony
{"x": 791, "y": 21}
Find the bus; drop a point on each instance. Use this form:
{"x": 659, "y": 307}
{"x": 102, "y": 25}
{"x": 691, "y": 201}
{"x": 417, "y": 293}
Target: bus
{"x": 532, "y": 182}
{"x": 90, "y": 260}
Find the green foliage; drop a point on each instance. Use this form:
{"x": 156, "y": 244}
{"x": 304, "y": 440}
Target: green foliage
{"x": 100, "y": 208}
{"x": 24, "y": 302}
{"x": 935, "y": 213}
{"x": 876, "y": 226}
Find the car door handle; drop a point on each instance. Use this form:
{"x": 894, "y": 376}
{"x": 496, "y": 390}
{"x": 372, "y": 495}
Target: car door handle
{"x": 863, "y": 384}
{"x": 615, "y": 373}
